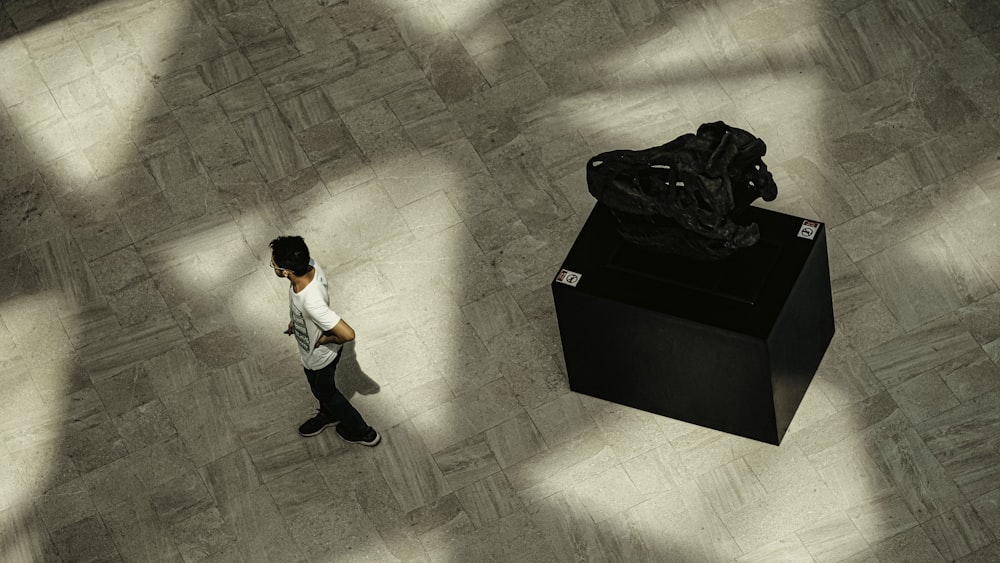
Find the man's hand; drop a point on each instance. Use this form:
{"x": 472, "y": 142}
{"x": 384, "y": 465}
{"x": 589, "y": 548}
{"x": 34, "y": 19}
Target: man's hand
{"x": 325, "y": 339}
{"x": 339, "y": 334}
{"x": 289, "y": 330}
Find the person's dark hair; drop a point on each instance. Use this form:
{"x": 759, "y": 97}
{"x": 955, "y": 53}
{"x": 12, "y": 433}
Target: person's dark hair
{"x": 291, "y": 253}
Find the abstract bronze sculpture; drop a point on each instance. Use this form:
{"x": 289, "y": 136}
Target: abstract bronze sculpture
{"x": 686, "y": 197}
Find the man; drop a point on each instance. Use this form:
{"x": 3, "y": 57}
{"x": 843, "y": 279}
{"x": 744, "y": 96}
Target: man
{"x": 319, "y": 332}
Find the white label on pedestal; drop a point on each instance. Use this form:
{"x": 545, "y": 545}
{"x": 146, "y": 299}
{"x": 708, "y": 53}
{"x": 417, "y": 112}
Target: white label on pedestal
{"x": 809, "y": 229}
{"x": 569, "y": 278}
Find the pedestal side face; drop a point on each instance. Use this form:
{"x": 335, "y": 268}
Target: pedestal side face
{"x": 666, "y": 365}
{"x": 801, "y": 334}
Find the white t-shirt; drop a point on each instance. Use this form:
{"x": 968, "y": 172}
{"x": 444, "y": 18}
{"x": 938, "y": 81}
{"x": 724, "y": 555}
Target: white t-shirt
{"x": 310, "y": 313}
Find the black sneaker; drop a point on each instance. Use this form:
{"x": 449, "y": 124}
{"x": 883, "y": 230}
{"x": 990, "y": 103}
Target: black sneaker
{"x": 317, "y": 424}
{"x": 369, "y": 438}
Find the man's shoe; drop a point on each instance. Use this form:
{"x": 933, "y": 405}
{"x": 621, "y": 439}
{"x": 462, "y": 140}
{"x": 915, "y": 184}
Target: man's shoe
{"x": 369, "y": 438}
{"x": 316, "y": 424}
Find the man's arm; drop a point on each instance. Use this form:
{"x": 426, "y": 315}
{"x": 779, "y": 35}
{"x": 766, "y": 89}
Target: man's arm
{"x": 339, "y": 334}
{"x": 321, "y": 314}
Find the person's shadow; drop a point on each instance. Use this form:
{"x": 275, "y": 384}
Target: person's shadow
{"x": 351, "y": 379}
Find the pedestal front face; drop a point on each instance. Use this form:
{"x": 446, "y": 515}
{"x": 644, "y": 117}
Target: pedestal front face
{"x": 730, "y": 345}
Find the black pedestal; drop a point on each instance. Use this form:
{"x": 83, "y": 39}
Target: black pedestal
{"x": 730, "y": 345}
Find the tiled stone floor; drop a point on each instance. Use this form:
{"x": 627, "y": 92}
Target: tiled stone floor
{"x": 431, "y": 152}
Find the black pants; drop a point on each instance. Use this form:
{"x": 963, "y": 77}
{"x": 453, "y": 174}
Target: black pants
{"x": 332, "y": 402}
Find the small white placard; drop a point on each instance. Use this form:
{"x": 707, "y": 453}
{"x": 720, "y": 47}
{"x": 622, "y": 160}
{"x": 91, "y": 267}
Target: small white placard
{"x": 808, "y": 229}
{"x": 569, "y": 278}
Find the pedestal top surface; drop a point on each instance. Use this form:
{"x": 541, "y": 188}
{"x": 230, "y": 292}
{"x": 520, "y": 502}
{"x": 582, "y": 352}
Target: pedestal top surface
{"x": 743, "y": 293}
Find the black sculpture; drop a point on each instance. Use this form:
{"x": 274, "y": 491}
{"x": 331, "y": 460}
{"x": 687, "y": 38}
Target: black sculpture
{"x": 686, "y": 197}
